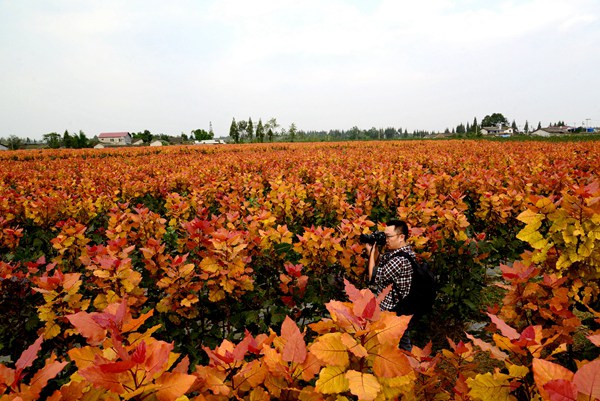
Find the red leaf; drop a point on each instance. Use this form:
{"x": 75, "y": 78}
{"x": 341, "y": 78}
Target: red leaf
{"x": 87, "y": 326}
{"x": 352, "y": 292}
{"x": 158, "y": 356}
{"x": 587, "y": 379}
{"x": 595, "y": 339}
{"x": 505, "y": 329}
{"x": 561, "y": 390}
{"x": 117, "y": 367}
{"x": 139, "y": 354}
{"x": 29, "y": 355}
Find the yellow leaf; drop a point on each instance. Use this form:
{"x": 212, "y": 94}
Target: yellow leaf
{"x": 332, "y": 380}
{"x": 518, "y": 371}
{"x": 530, "y": 217}
{"x": 364, "y": 385}
{"x": 330, "y": 349}
{"x": 488, "y": 387}
{"x": 530, "y": 235}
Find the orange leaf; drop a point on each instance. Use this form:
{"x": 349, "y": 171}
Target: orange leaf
{"x": 294, "y": 349}
{"x": 505, "y": 329}
{"x": 390, "y": 361}
{"x": 48, "y": 372}
{"x": 390, "y": 327}
{"x": 173, "y": 385}
{"x": 495, "y": 352}
{"x": 544, "y": 371}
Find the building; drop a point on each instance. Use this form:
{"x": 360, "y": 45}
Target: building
{"x": 115, "y": 138}
{"x": 2, "y": 147}
{"x": 209, "y": 142}
{"x": 498, "y": 130}
{"x": 156, "y": 143}
{"x": 552, "y": 131}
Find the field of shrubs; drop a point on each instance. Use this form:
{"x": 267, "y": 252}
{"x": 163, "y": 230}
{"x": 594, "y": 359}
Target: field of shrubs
{"x": 235, "y": 272}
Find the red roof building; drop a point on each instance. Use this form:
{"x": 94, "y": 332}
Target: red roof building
{"x": 115, "y": 138}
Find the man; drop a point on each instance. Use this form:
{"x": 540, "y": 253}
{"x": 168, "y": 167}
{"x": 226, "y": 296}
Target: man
{"x": 391, "y": 268}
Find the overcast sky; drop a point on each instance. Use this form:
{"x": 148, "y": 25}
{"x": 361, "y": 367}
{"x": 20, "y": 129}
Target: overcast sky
{"x": 178, "y": 65}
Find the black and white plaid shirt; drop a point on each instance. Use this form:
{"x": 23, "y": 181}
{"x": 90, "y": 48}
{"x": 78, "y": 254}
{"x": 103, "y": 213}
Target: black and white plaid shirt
{"x": 392, "y": 268}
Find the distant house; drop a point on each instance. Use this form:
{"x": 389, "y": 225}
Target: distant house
{"x": 499, "y": 130}
{"x": 2, "y": 147}
{"x": 99, "y": 146}
{"x": 115, "y": 138}
{"x": 156, "y": 143}
{"x": 139, "y": 142}
{"x": 209, "y": 142}
{"x": 552, "y": 131}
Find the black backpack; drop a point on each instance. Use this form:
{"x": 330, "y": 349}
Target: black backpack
{"x": 421, "y": 296}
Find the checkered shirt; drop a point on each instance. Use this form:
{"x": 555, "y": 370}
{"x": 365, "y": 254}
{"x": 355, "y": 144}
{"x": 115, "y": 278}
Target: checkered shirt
{"x": 392, "y": 268}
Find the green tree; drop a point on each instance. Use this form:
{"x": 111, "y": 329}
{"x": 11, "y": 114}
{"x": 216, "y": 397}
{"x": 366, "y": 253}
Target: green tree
{"x": 233, "y": 132}
{"x": 475, "y": 127}
{"x": 201, "y": 135}
{"x": 242, "y": 127}
{"x": 210, "y": 130}
{"x": 526, "y": 127}
{"x": 460, "y": 129}
{"x": 539, "y": 125}
{"x": 80, "y": 141}
{"x": 390, "y": 133}
{"x": 67, "y": 140}
{"x": 292, "y": 132}
{"x": 250, "y": 130}
{"x": 514, "y": 126}
{"x": 260, "y": 131}
{"x": 272, "y": 124}
{"x": 52, "y": 140}
{"x": 493, "y": 120}
{"x": 145, "y": 136}
{"x": 270, "y": 134}
{"x": 14, "y": 142}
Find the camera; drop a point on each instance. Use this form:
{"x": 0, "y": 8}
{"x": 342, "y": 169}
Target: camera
{"x": 378, "y": 237}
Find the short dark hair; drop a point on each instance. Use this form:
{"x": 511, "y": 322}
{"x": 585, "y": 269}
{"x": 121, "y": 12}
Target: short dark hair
{"x": 399, "y": 226}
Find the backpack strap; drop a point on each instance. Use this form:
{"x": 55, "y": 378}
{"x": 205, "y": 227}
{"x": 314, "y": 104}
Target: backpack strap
{"x": 413, "y": 264}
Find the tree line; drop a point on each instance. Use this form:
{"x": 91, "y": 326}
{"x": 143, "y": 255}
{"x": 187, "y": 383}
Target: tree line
{"x": 245, "y": 131}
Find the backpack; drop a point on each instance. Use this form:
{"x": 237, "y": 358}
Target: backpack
{"x": 421, "y": 295}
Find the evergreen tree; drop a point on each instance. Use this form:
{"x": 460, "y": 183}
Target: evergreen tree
{"x": 514, "y": 126}
{"x": 260, "y": 131}
{"x": 526, "y": 127}
{"x": 67, "y": 140}
{"x": 539, "y": 125}
{"x": 292, "y": 132}
{"x": 233, "y": 132}
{"x": 270, "y": 134}
{"x": 250, "y": 129}
{"x": 210, "y": 130}
{"x": 475, "y": 127}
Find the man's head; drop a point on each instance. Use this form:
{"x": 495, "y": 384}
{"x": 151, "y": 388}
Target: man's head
{"x": 396, "y": 232}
